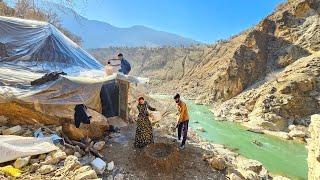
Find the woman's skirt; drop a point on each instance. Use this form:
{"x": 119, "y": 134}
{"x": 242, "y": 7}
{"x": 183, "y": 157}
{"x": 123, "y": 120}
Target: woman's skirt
{"x": 144, "y": 133}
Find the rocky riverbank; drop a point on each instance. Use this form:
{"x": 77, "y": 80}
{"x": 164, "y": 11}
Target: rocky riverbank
{"x": 218, "y": 156}
{"x": 281, "y": 107}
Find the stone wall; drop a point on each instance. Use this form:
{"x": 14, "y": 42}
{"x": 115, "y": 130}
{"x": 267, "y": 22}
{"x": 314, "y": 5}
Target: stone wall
{"x": 314, "y": 148}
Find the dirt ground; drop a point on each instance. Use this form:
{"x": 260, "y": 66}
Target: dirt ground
{"x": 137, "y": 164}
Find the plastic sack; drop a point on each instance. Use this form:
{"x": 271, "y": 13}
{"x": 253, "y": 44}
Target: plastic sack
{"x": 10, "y": 170}
{"x": 98, "y": 165}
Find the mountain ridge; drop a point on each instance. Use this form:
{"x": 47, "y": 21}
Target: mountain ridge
{"x": 109, "y": 35}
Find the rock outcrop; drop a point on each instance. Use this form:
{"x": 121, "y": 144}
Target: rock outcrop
{"x": 314, "y": 148}
{"x": 275, "y": 105}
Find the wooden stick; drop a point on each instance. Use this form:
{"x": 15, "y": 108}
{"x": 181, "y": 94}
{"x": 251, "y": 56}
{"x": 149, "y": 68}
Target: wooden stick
{"x": 80, "y": 144}
{"x": 96, "y": 153}
{"x": 75, "y": 148}
{"x": 41, "y": 126}
{"x": 66, "y": 138}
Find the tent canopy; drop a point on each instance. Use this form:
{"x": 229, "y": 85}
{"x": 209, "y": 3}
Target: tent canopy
{"x": 41, "y": 47}
{"x": 29, "y": 49}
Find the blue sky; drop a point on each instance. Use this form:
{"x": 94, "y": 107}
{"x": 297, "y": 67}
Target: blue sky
{"x": 202, "y": 20}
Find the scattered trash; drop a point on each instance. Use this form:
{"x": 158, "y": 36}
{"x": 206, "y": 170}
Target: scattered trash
{"x": 11, "y": 171}
{"x": 38, "y": 133}
{"x": 57, "y": 139}
{"x": 98, "y": 165}
{"x": 54, "y": 137}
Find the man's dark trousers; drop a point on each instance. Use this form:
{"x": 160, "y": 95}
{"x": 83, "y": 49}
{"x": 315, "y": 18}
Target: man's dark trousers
{"x": 183, "y": 130}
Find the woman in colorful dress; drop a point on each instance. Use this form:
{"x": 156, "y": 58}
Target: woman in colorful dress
{"x": 144, "y": 132}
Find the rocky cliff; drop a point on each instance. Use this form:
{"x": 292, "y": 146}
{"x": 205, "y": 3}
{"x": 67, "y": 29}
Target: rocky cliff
{"x": 314, "y": 148}
{"x": 266, "y": 77}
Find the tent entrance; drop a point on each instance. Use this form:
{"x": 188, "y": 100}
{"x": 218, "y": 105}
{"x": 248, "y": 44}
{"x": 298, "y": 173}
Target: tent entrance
{"x": 109, "y": 96}
{"x": 114, "y": 99}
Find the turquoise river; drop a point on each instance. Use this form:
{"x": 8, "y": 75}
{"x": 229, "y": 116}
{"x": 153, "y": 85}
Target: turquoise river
{"x": 281, "y": 157}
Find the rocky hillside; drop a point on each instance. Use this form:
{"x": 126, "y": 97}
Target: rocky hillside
{"x": 267, "y": 76}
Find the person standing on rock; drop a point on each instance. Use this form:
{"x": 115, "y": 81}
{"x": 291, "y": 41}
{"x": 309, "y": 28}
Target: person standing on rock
{"x": 183, "y": 120}
{"x": 144, "y": 132}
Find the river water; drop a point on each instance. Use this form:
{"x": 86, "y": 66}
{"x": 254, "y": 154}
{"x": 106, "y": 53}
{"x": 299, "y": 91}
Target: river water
{"x": 280, "y": 157}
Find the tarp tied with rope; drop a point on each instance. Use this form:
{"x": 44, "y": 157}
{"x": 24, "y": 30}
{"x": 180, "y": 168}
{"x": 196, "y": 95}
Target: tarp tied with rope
{"x": 30, "y": 49}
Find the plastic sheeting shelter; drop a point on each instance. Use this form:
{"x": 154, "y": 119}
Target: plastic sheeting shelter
{"x": 42, "y": 47}
{"x": 29, "y": 49}
{"x": 107, "y": 95}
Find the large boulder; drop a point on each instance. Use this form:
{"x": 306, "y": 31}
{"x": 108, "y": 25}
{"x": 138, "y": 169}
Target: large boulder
{"x": 96, "y": 129}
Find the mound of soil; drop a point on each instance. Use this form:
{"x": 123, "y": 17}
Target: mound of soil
{"x": 161, "y": 156}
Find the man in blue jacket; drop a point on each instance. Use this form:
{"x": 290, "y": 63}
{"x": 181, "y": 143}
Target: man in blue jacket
{"x": 125, "y": 66}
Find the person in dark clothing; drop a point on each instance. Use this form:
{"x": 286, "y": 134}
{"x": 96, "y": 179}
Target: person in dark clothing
{"x": 144, "y": 132}
{"x": 80, "y": 115}
{"x": 183, "y": 121}
{"x": 125, "y": 66}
